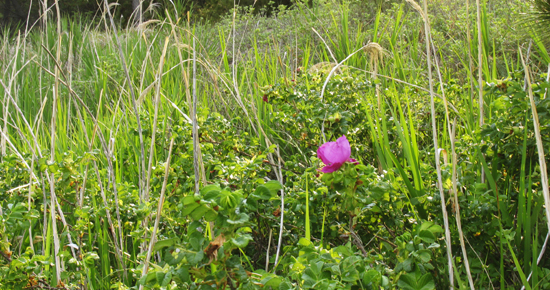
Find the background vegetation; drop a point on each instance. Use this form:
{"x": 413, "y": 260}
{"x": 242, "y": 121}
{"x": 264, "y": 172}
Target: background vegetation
{"x": 19, "y": 12}
{"x": 111, "y": 179}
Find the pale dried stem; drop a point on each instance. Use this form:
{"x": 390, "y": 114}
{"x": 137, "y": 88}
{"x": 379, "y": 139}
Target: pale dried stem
{"x": 540, "y": 151}
{"x": 451, "y": 130}
{"x": 154, "y": 130}
{"x": 424, "y": 14}
{"x": 281, "y": 226}
{"x": 134, "y": 104}
{"x": 159, "y": 213}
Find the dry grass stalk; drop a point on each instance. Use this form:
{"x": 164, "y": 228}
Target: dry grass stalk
{"x": 457, "y": 207}
{"x": 326, "y": 45}
{"x": 423, "y": 13}
{"x": 159, "y": 212}
{"x": 451, "y": 130}
{"x": 480, "y": 72}
{"x": 376, "y": 56}
{"x": 540, "y": 151}
{"x": 418, "y": 9}
{"x": 141, "y": 171}
{"x": 154, "y": 130}
{"x": 195, "y": 125}
{"x": 52, "y": 151}
{"x": 281, "y": 226}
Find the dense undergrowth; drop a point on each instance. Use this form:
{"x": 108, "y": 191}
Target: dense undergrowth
{"x": 100, "y": 188}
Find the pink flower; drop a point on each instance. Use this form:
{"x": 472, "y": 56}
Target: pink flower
{"x": 335, "y": 154}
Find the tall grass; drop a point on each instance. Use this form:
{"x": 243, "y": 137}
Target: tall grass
{"x": 108, "y": 93}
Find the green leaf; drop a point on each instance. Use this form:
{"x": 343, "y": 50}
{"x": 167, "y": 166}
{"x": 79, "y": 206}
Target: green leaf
{"x": 304, "y": 242}
{"x": 228, "y": 200}
{"x": 427, "y": 236}
{"x": 263, "y": 192}
{"x": 424, "y": 255}
{"x": 426, "y": 282}
{"x": 241, "y": 240}
{"x": 183, "y": 274}
{"x": 210, "y": 190}
{"x": 189, "y": 208}
{"x": 160, "y": 276}
{"x": 212, "y": 195}
{"x": 285, "y": 286}
{"x": 430, "y": 226}
{"x": 274, "y": 186}
{"x": 240, "y": 219}
{"x": 252, "y": 203}
{"x": 188, "y": 200}
{"x": 408, "y": 264}
{"x": 165, "y": 243}
{"x": 210, "y": 215}
{"x": 372, "y": 276}
{"x": 350, "y": 275}
{"x": 195, "y": 258}
{"x": 167, "y": 279}
{"x": 413, "y": 281}
{"x": 309, "y": 278}
{"x": 149, "y": 278}
{"x": 172, "y": 257}
{"x": 198, "y": 213}
{"x": 271, "y": 281}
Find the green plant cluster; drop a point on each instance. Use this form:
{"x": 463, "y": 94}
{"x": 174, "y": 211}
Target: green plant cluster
{"x": 269, "y": 94}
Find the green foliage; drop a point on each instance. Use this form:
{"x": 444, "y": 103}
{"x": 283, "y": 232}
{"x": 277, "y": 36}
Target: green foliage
{"x": 372, "y": 225}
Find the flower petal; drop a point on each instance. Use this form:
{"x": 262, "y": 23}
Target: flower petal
{"x": 343, "y": 148}
{"x": 332, "y": 167}
{"x": 353, "y": 161}
{"x": 322, "y": 152}
{"x": 335, "y": 154}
